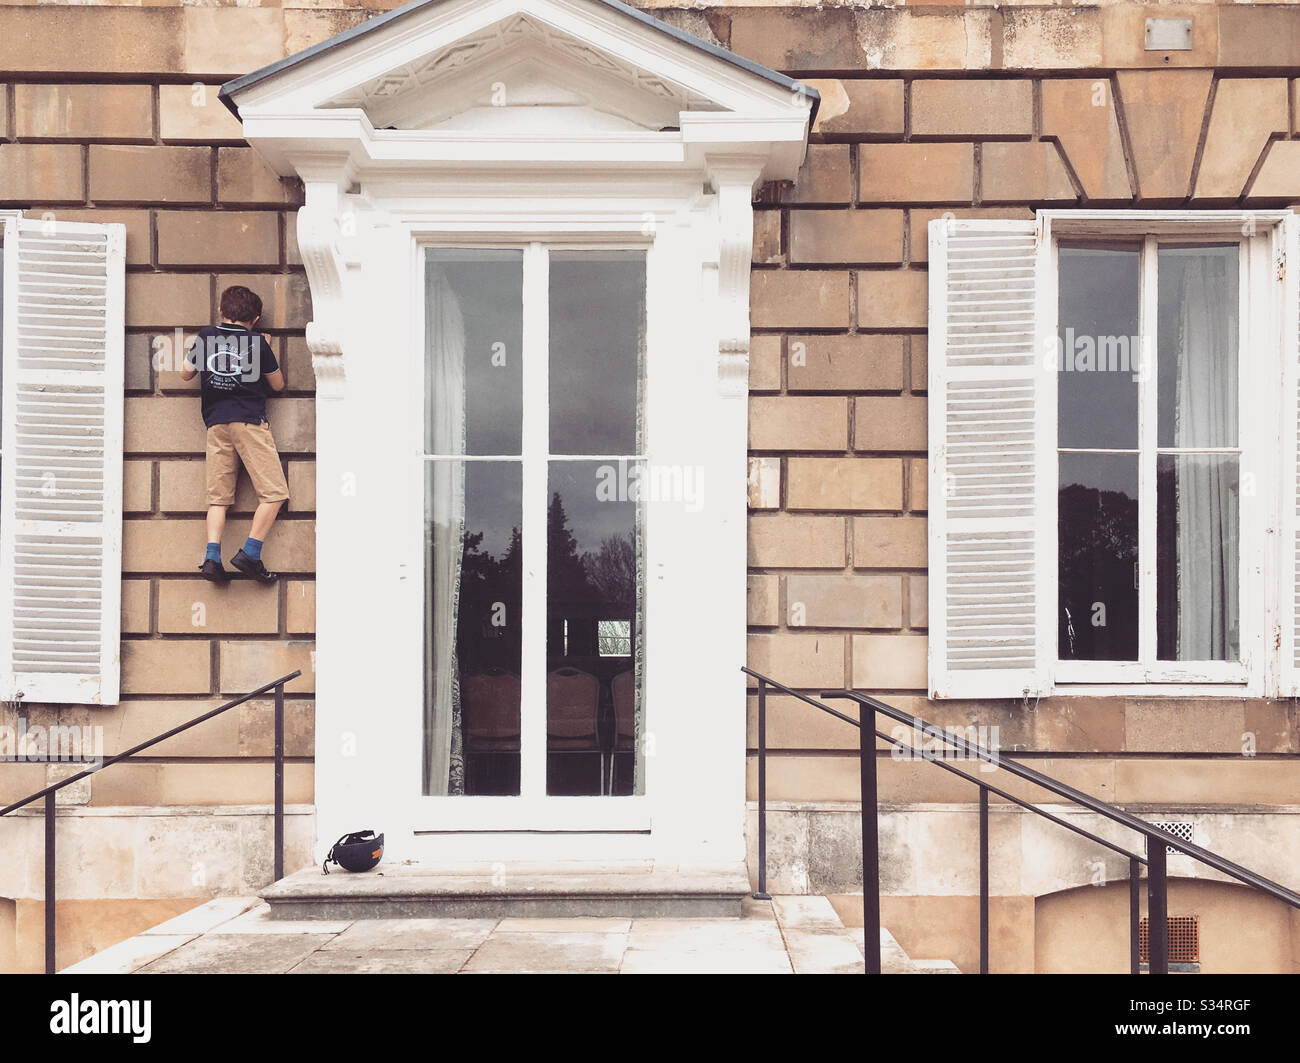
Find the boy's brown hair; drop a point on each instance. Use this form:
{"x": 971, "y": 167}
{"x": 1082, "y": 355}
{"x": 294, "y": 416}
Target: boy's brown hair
{"x": 240, "y": 304}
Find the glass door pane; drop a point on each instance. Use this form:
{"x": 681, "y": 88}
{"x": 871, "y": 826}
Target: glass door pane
{"x": 473, "y": 521}
{"x": 474, "y": 391}
{"x": 597, "y": 341}
{"x": 472, "y": 627}
{"x": 500, "y": 476}
{"x": 592, "y": 631}
{"x": 597, "y": 336}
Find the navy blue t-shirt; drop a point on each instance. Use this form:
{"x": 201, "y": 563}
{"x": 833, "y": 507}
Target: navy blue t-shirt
{"x": 233, "y": 364}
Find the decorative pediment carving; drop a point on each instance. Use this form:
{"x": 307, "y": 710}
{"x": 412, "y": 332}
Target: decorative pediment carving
{"x": 505, "y": 82}
{"x": 500, "y": 66}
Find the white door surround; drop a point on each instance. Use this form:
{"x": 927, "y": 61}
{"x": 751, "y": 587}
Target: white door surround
{"x": 581, "y": 123}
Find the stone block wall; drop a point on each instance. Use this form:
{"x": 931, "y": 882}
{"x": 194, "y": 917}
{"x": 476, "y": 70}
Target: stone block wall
{"x": 837, "y": 549}
{"x": 201, "y": 212}
{"x": 922, "y": 118}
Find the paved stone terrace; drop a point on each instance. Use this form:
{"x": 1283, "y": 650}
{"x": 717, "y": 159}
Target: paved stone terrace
{"x": 789, "y": 935}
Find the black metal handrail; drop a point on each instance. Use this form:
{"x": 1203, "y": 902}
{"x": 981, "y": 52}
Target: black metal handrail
{"x": 1155, "y": 859}
{"x": 49, "y": 792}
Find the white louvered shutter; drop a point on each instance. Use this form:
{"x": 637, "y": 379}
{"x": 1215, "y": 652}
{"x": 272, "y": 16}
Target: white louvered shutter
{"x": 61, "y": 477}
{"x": 991, "y": 425}
{"x": 1290, "y": 559}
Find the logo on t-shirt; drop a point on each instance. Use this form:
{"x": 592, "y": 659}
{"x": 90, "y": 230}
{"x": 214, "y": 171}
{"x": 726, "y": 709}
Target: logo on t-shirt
{"x": 230, "y": 357}
{"x": 235, "y": 364}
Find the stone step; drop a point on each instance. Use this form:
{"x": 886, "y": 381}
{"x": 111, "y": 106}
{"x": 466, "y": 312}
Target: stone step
{"x": 894, "y": 959}
{"x": 530, "y": 891}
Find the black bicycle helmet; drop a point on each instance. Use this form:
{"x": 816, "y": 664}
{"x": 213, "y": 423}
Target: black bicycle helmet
{"x": 361, "y": 851}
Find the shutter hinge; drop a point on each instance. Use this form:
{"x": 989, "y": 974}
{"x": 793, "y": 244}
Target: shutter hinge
{"x": 1281, "y": 264}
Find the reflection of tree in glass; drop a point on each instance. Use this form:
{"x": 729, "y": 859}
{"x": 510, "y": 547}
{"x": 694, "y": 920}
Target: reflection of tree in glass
{"x": 1098, "y": 552}
{"x": 612, "y": 568}
{"x": 591, "y": 587}
{"x": 566, "y": 576}
{"x": 487, "y": 628}
{"x": 1096, "y": 522}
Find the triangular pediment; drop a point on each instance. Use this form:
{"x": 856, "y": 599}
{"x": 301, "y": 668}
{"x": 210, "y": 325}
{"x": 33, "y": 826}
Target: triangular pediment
{"x": 418, "y": 63}
{"x": 504, "y": 82}
{"x": 521, "y": 73}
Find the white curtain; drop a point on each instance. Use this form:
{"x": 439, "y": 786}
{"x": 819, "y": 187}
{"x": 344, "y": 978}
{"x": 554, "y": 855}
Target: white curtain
{"x": 1206, "y": 486}
{"x": 445, "y": 517}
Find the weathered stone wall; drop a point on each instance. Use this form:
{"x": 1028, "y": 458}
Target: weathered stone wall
{"x": 993, "y": 114}
{"x": 202, "y": 212}
{"x": 838, "y": 423}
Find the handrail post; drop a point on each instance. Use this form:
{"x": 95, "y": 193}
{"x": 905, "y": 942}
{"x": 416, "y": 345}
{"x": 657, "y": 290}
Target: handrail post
{"x": 50, "y": 894}
{"x": 1157, "y": 908}
{"x": 984, "y": 881}
{"x": 762, "y": 894}
{"x": 1134, "y": 916}
{"x": 870, "y": 840}
{"x": 279, "y": 782}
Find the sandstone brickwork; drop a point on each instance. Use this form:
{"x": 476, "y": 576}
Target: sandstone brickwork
{"x": 936, "y": 110}
{"x": 201, "y": 212}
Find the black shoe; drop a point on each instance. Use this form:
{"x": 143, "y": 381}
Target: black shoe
{"x": 213, "y": 571}
{"x": 253, "y": 569}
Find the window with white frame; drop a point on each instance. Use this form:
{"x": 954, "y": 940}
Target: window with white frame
{"x": 1109, "y": 503}
{"x": 533, "y": 532}
{"x": 61, "y": 390}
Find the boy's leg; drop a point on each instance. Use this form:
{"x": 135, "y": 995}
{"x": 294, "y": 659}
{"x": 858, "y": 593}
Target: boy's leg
{"x": 216, "y": 523}
{"x": 263, "y": 518}
{"x": 222, "y": 468}
{"x": 257, "y": 450}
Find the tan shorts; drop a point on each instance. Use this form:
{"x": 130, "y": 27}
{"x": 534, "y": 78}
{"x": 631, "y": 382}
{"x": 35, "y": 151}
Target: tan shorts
{"x": 229, "y": 445}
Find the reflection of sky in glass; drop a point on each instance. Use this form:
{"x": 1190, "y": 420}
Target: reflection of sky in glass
{"x": 1098, "y": 298}
{"x": 489, "y": 289}
{"x": 492, "y": 492}
{"x": 1107, "y": 472}
{"x": 597, "y": 314}
{"x": 591, "y": 520}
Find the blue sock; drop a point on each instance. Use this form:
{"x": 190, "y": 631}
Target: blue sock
{"x": 214, "y": 552}
{"x": 253, "y": 548}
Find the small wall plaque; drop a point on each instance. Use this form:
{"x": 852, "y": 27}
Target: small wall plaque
{"x": 1169, "y": 35}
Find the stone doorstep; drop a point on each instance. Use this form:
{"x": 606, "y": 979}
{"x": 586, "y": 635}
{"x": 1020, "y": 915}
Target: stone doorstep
{"x": 238, "y": 934}
{"x": 537, "y": 891}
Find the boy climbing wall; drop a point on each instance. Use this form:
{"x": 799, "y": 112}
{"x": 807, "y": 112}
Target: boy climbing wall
{"x": 237, "y": 370}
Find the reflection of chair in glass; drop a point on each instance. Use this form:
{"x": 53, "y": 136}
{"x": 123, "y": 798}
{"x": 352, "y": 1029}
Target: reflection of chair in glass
{"x": 572, "y": 701}
{"x": 490, "y": 704}
{"x": 623, "y": 687}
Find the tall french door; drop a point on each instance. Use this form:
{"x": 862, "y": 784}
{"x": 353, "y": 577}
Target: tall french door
{"x": 534, "y": 537}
